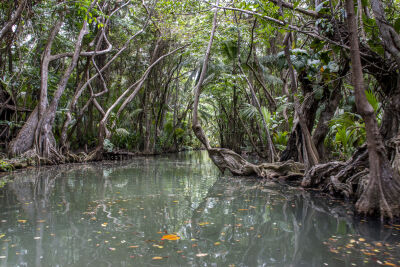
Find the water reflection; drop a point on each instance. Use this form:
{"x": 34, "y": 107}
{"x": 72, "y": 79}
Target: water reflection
{"x": 114, "y": 214}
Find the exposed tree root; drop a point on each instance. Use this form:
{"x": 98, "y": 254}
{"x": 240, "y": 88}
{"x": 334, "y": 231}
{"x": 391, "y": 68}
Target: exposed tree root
{"x": 339, "y": 178}
{"x": 227, "y": 159}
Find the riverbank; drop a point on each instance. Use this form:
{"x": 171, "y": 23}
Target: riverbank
{"x": 30, "y": 159}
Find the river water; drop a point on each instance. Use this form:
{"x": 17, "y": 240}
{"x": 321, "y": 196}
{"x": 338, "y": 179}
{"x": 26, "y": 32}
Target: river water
{"x": 121, "y": 213}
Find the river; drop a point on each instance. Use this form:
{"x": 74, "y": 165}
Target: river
{"x": 126, "y": 213}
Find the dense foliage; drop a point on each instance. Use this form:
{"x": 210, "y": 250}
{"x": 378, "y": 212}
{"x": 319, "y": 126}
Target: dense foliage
{"x": 107, "y": 76}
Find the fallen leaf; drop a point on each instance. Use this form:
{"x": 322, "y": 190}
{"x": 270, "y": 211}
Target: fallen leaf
{"x": 170, "y": 237}
{"x": 41, "y": 221}
{"x": 242, "y": 209}
{"x": 333, "y": 250}
{"x": 389, "y": 263}
{"x": 133, "y": 246}
{"x": 2, "y": 235}
{"x": 369, "y": 254}
{"x": 22, "y": 221}
{"x": 217, "y": 243}
{"x": 157, "y": 258}
{"x": 104, "y": 224}
{"x": 203, "y": 223}
{"x": 201, "y": 254}
{"x": 361, "y": 239}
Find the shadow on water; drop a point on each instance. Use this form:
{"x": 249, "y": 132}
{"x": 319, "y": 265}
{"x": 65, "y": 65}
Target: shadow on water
{"x": 115, "y": 214}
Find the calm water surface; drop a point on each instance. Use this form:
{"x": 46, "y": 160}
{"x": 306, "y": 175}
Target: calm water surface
{"x": 115, "y": 214}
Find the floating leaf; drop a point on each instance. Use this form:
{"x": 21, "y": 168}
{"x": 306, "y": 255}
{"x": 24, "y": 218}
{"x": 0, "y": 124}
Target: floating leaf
{"x": 361, "y": 239}
{"x": 217, "y": 243}
{"x": 157, "y": 258}
{"x": 333, "y": 250}
{"x": 104, "y": 224}
{"x": 170, "y": 237}
{"x": 133, "y": 246}
{"x": 203, "y": 223}
{"x": 242, "y": 209}
{"x": 201, "y": 254}
{"x": 2, "y": 235}
{"x": 22, "y": 221}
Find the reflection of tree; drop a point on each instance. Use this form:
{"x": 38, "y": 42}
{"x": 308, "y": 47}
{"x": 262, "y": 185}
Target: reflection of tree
{"x": 255, "y": 222}
{"x": 283, "y": 232}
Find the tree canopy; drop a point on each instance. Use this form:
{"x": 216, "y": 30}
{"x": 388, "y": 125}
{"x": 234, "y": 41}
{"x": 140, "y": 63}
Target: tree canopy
{"x": 313, "y": 82}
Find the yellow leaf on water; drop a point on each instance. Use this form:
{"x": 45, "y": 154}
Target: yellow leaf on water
{"x": 217, "y": 243}
{"x": 170, "y": 237}
{"x": 361, "y": 239}
{"x": 157, "y": 258}
{"x": 22, "y": 221}
{"x": 334, "y": 250}
{"x": 242, "y": 209}
{"x": 203, "y": 223}
{"x": 389, "y": 263}
{"x": 104, "y": 224}
{"x": 133, "y": 246}
{"x": 2, "y": 235}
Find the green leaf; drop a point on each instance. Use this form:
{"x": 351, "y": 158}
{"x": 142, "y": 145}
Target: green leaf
{"x": 397, "y": 25}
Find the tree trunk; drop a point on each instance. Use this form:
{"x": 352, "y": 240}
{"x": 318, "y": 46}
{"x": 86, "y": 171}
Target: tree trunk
{"x": 381, "y": 195}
